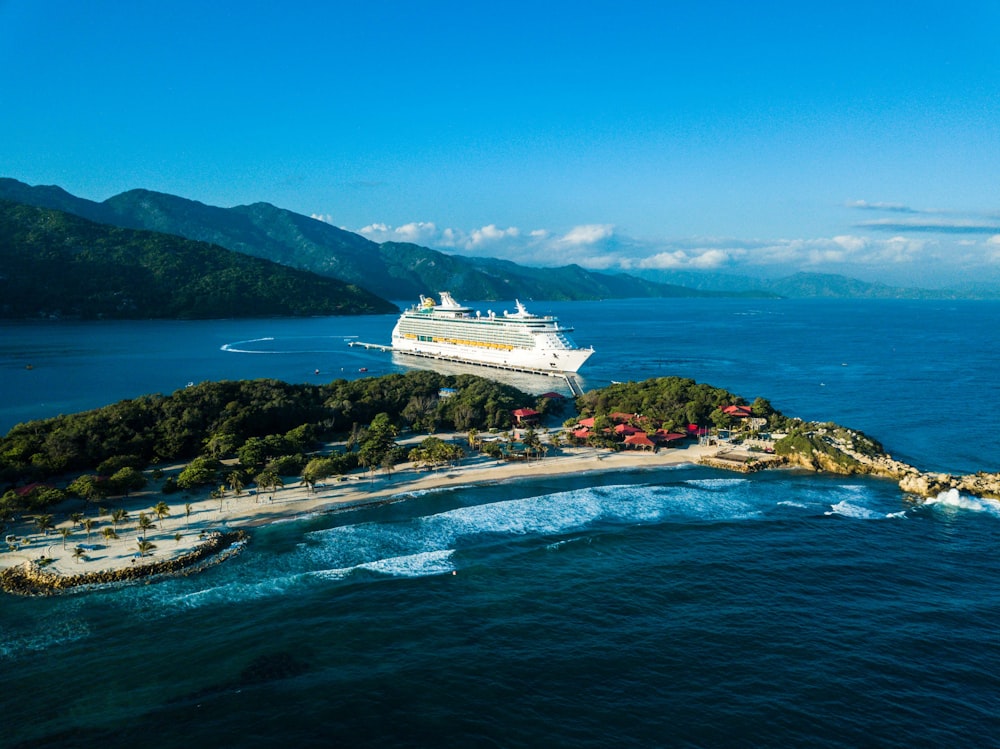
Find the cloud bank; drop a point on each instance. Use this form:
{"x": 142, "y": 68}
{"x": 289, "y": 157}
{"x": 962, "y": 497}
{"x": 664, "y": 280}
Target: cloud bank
{"x": 911, "y": 250}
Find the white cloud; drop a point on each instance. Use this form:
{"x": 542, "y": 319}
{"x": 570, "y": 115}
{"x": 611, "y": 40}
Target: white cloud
{"x": 417, "y": 232}
{"x": 491, "y": 234}
{"x": 604, "y": 247}
{"x": 681, "y": 259}
{"x": 993, "y": 248}
{"x": 588, "y": 234}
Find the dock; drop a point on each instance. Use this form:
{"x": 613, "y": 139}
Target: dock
{"x": 571, "y": 381}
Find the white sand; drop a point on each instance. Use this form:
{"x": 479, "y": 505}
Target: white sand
{"x": 232, "y": 512}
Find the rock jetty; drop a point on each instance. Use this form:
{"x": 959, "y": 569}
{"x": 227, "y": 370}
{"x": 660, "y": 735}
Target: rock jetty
{"x": 31, "y": 579}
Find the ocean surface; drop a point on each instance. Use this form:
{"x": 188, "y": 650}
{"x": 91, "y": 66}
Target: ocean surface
{"x": 686, "y": 607}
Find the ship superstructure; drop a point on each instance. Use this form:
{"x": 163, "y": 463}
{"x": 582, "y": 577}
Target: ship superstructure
{"x": 518, "y": 340}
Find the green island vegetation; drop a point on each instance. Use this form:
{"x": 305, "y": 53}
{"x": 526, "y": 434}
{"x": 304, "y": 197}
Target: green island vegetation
{"x": 673, "y": 405}
{"x": 230, "y": 435}
{"x": 828, "y": 447}
{"x": 272, "y": 429}
{"x": 57, "y": 265}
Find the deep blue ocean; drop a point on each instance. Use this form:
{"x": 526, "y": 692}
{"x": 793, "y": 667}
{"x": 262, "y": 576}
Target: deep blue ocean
{"x": 686, "y": 607}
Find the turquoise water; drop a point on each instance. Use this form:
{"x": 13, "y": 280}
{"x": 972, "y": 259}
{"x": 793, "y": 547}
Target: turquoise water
{"x": 683, "y": 607}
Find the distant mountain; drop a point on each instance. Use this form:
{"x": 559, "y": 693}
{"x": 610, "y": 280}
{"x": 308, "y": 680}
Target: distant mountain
{"x": 391, "y": 270}
{"x": 403, "y": 271}
{"x": 831, "y": 286}
{"x": 56, "y": 264}
{"x": 814, "y": 285}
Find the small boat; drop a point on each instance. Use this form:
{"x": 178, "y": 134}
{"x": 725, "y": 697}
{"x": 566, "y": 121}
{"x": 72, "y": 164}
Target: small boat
{"x": 363, "y": 369}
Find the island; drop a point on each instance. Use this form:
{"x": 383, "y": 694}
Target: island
{"x": 166, "y": 485}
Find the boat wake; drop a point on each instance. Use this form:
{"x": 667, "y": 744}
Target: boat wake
{"x": 291, "y": 345}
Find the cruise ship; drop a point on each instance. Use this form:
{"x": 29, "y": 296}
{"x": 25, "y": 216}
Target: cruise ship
{"x": 517, "y": 340}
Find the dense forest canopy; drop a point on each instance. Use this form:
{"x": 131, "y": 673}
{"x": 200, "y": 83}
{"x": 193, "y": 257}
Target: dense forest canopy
{"x": 674, "y": 402}
{"x": 267, "y": 424}
{"x": 54, "y": 264}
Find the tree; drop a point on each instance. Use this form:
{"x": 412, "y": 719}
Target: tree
{"x": 88, "y": 525}
{"x": 145, "y": 523}
{"x": 44, "y": 523}
{"x": 199, "y": 472}
{"x": 268, "y": 480}
{"x": 388, "y": 463}
{"x": 235, "y": 480}
{"x": 144, "y": 546}
{"x": 433, "y": 452}
{"x": 109, "y": 533}
{"x": 161, "y": 511}
{"x": 119, "y": 516}
{"x": 89, "y": 487}
{"x": 79, "y": 553}
{"x": 127, "y": 479}
{"x": 65, "y": 533}
{"x": 187, "y": 513}
{"x": 315, "y": 471}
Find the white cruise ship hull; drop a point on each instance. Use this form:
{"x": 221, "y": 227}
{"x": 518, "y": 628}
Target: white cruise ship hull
{"x": 519, "y": 340}
{"x": 537, "y": 360}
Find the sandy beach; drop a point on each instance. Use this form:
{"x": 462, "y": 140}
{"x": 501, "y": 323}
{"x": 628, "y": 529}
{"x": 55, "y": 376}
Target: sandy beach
{"x": 195, "y": 516}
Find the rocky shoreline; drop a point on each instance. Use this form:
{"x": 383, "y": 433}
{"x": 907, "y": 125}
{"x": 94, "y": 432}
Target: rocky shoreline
{"x": 31, "y": 579}
{"x": 849, "y": 452}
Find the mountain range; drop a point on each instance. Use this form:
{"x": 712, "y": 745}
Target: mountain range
{"x": 390, "y": 270}
{"x": 401, "y": 271}
{"x": 54, "y": 264}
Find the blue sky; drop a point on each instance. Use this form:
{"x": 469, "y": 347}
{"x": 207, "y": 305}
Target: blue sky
{"x": 761, "y": 138}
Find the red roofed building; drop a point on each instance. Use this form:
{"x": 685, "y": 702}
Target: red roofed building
{"x": 739, "y": 412}
{"x": 664, "y": 437}
{"x": 639, "y": 441}
{"x": 627, "y": 429}
{"x": 589, "y": 423}
{"x": 553, "y": 396}
{"x": 582, "y": 434}
{"x": 619, "y": 417}
{"x": 526, "y": 415}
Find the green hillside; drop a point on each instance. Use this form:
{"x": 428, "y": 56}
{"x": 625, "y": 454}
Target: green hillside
{"x": 391, "y": 270}
{"x": 54, "y": 264}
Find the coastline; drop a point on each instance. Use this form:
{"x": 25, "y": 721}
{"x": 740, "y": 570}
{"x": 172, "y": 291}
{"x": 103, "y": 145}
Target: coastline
{"x": 201, "y": 530}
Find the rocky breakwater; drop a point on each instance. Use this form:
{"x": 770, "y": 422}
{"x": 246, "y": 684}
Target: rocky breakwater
{"x": 836, "y": 449}
{"x": 33, "y": 580}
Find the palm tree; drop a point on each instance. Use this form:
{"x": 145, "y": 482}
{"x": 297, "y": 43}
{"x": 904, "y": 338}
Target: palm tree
{"x": 268, "y": 480}
{"x": 65, "y": 533}
{"x": 119, "y": 516}
{"x": 79, "y": 553}
{"x": 144, "y": 524}
{"x": 178, "y": 536}
{"x": 44, "y": 523}
{"x": 77, "y": 518}
{"x": 144, "y": 546}
{"x": 88, "y": 525}
{"x": 236, "y": 482}
{"x": 161, "y": 511}
{"x": 109, "y": 533}
{"x": 388, "y": 464}
{"x": 187, "y": 513}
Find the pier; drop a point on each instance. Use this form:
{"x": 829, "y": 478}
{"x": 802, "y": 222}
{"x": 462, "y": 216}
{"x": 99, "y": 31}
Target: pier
{"x": 366, "y": 346}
